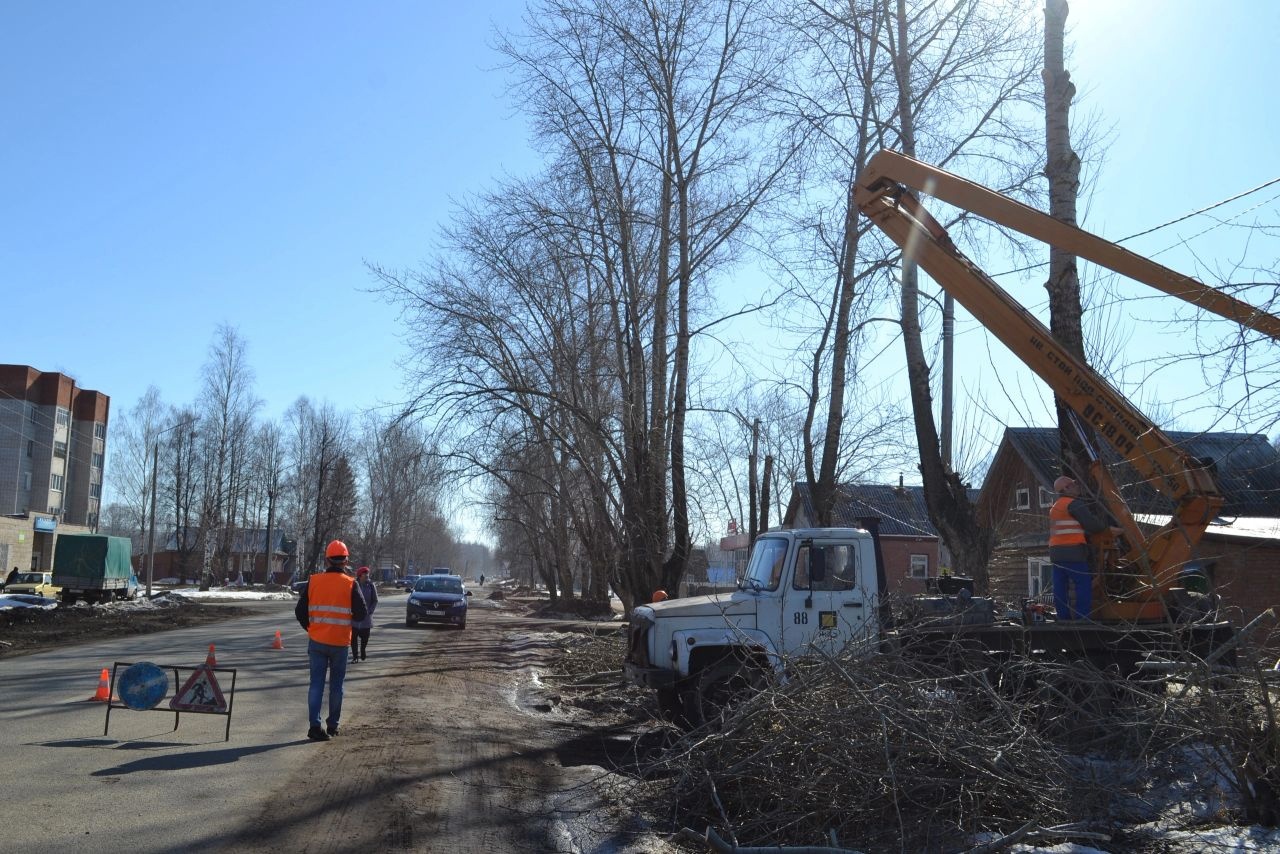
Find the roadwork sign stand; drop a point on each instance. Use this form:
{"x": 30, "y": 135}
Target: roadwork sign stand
{"x": 144, "y": 685}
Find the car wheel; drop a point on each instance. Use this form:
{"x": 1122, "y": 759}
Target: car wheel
{"x": 462, "y": 625}
{"x": 410, "y": 623}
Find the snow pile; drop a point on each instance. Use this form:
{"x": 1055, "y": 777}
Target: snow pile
{"x": 21, "y": 601}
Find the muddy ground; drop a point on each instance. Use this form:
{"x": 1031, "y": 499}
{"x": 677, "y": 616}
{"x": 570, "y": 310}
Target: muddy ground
{"x": 25, "y": 630}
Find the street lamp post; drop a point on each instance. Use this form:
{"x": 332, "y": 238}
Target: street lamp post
{"x": 151, "y": 533}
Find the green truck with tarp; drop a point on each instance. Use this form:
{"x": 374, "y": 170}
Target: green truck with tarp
{"x": 93, "y": 568}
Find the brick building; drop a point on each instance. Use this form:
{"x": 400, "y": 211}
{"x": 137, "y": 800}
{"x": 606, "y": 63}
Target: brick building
{"x": 908, "y": 540}
{"x": 53, "y": 438}
{"x": 1239, "y": 554}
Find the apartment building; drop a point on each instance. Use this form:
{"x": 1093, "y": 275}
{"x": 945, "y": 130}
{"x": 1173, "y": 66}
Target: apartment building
{"x": 53, "y": 439}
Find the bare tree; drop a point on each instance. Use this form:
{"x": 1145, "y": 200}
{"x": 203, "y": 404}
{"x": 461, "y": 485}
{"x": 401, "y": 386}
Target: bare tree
{"x": 959, "y": 70}
{"x": 228, "y": 406}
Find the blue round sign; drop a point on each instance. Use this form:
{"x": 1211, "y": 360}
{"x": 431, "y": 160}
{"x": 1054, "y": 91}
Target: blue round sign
{"x": 143, "y": 685}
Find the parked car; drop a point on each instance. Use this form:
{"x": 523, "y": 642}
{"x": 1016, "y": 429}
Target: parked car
{"x": 407, "y": 582}
{"x": 33, "y": 584}
{"x": 437, "y": 598}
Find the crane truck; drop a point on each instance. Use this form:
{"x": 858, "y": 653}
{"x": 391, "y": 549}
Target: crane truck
{"x": 824, "y": 589}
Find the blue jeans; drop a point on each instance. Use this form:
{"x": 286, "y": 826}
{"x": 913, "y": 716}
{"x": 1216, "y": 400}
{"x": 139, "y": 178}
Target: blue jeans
{"x": 326, "y": 658}
{"x": 1076, "y": 574}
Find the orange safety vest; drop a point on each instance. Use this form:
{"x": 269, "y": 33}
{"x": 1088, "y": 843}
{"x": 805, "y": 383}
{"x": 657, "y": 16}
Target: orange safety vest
{"x": 1064, "y": 529}
{"x": 329, "y": 608}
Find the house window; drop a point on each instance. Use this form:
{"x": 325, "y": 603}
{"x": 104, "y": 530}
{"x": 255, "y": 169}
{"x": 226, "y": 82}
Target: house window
{"x": 31, "y": 447}
{"x": 919, "y": 566}
{"x": 100, "y": 430}
{"x": 1046, "y": 497}
{"x": 97, "y": 461}
{"x": 31, "y": 414}
{"x": 60, "y": 449}
{"x": 26, "y": 480}
{"x": 56, "y": 482}
{"x": 1022, "y": 498}
{"x": 64, "y": 417}
{"x": 95, "y": 490}
{"x": 1039, "y": 578}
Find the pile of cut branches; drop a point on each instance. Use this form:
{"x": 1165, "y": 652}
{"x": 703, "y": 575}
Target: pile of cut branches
{"x": 892, "y": 753}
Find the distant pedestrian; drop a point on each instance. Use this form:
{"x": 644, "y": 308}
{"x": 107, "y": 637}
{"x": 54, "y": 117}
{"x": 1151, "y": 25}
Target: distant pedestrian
{"x": 1070, "y": 521}
{"x": 327, "y": 606}
{"x": 12, "y": 577}
{"x": 482, "y": 579}
{"x": 360, "y": 628}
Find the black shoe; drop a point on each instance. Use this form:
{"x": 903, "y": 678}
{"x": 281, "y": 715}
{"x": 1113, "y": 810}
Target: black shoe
{"x": 364, "y": 657}
{"x": 317, "y": 734}
{"x": 331, "y": 732}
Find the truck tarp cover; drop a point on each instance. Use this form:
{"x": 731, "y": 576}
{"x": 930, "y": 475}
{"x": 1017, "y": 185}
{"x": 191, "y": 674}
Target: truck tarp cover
{"x": 92, "y": 556}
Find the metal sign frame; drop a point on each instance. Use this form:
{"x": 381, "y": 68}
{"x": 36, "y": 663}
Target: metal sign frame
{"x": 229, "y": 693}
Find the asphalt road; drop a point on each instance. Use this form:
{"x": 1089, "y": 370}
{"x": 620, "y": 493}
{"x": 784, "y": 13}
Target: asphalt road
{"x": 144, "y": 787}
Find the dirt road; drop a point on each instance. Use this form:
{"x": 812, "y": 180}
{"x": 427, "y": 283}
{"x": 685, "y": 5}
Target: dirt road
{"x": 461, "y": 751}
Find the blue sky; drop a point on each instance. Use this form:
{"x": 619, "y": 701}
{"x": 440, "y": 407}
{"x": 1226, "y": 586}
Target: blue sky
{"x": 168, "y": 167}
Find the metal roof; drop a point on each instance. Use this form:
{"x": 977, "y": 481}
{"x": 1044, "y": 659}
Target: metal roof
{"x": 901, "y": 509}
{"x": 1245, "y": 466}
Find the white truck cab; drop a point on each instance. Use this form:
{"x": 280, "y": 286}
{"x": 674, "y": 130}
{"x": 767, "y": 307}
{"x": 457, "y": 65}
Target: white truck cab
{"x": 803, "y": 590}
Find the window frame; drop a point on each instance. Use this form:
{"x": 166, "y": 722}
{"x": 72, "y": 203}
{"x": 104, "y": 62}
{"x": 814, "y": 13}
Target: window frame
{"x": 1022, "y": 498}
{"x": 1046, "y": 497}
{"x": 62, "y": 418}
{"x": 913, "y": 564}
{"x": 1039, "y": 573}
{"x": 57, "y": 482}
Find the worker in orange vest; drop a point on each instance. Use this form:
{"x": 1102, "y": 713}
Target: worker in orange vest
{"x": 330, "y": 601}
{"x": 1070, "y": 521}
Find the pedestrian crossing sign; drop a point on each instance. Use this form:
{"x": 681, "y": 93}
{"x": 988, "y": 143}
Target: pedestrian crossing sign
{"x": 200, "y": 693}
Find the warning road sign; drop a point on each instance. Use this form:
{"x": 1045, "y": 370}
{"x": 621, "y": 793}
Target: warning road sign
{"x": 200, "y": 693}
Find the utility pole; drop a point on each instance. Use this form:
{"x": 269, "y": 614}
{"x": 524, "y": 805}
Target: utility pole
{"x": 151, "y": 530}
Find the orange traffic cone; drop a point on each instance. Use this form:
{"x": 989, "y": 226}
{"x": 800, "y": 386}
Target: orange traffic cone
{"x": 103, "y": 694}
{"x": 210, "y": 661}
{"x": 278, "y": 643}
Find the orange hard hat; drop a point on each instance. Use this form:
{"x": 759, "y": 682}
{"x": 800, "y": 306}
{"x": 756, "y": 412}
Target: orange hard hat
{"x": 336, "y": 548}
{"x": 659, "y": 595}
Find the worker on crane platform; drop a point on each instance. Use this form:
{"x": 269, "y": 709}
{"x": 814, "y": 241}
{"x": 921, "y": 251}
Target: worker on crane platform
{"x": 1070, "y": 522}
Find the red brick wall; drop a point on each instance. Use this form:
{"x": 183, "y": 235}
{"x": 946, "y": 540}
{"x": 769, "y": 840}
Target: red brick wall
{"x": 897, "y": 553}
{"x": 1246, "y": 574}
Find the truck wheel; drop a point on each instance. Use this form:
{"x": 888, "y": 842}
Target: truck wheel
{"x": 671, "y": 708}
{"x": 68, "y": 599}
{"x": 719, "y": 689}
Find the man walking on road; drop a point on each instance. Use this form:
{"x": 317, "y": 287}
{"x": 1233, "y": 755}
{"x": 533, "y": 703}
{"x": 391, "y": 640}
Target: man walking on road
{"x": 360, "y": 628}
{"x": 328, "y": 605}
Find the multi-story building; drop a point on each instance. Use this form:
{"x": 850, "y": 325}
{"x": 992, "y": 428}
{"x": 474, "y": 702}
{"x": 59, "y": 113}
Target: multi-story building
{"x": 53, "y": 439}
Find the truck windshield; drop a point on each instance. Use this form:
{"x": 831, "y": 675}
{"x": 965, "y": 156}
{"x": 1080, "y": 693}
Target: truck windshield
{"x": 765, "y": 568}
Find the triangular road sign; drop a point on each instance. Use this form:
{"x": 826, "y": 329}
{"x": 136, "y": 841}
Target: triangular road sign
{"x": 200, "y": 693}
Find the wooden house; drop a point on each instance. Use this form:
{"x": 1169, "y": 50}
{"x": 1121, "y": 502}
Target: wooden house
{"x": 1238, "y": 557}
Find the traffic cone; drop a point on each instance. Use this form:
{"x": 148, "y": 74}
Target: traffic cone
{"x": 278, "y": 643}
{"x": 103, "y": 694}
{"x": 210, "y": 661}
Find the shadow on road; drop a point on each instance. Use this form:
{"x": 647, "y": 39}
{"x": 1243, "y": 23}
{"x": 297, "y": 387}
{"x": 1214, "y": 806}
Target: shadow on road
{"x": 198, "y": 759}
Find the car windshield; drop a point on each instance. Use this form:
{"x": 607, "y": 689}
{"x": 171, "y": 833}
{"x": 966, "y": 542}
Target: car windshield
{"x": 30, "y": 578}
{"x": 765, "y": 567}
{"x": 437, "y": 584}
